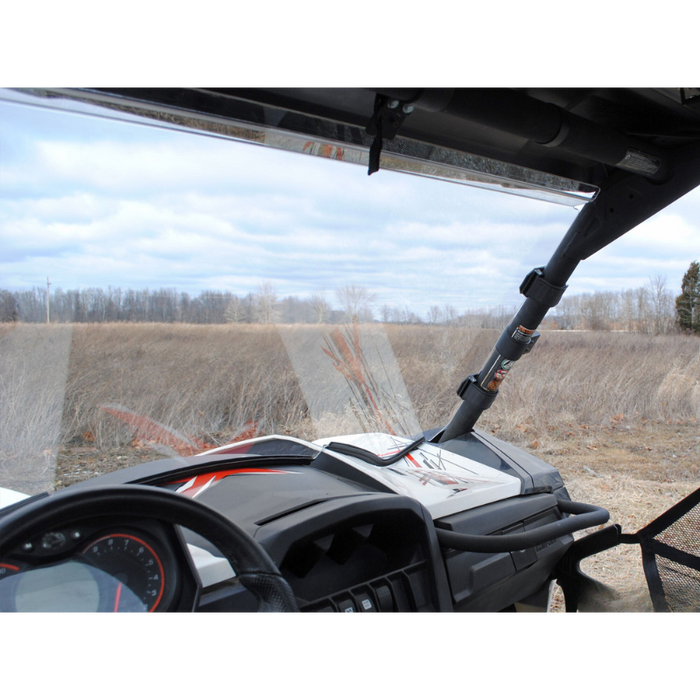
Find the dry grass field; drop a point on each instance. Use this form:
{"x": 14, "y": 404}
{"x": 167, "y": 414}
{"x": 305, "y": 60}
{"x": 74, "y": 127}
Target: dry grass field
{"x": 618, "y": 414}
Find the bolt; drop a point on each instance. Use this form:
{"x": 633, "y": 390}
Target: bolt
{"x": 392, "y": 104}
{"x": 407, "y": 109}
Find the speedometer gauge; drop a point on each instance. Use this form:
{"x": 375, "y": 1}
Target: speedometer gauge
{"x": 135, "y": 570}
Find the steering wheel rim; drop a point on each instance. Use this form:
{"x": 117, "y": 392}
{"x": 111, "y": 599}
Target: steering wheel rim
{"x": 253, "y": 566}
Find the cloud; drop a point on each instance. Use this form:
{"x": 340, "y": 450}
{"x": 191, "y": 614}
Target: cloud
{"x": 93, "y": 203}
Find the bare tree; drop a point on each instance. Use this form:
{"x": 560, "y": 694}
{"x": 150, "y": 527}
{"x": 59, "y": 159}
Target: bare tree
{"x": 662, "y": 308}
{"x": 265, "y": 302}
{"x": 321, "y": 307}
{"x": 434, "y": 315}
{"x": 641, "y": 296}
{"x": 355, "y": 301}
{"x": 233, "y": 310}
{"x": 9, "y": 310}
{"x": 450, "y": 314}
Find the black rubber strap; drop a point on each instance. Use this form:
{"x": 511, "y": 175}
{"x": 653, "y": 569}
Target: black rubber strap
{"x": 367, "y": 456}
{"x": 470, "y": 391}
{"x": 536, "y": 287}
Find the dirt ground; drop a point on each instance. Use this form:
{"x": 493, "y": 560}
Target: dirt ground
{"x": 634, "y": 470}
{"x": 79, "y": 461}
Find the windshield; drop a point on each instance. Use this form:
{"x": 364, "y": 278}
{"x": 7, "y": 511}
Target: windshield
{"x": 165, "y": 293}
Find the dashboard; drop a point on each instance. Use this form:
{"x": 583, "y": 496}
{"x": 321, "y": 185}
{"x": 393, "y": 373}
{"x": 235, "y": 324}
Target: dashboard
{"x": 350, "y": 553}
{"x": 345, "y": 550}
{"x": 287, "y": 529}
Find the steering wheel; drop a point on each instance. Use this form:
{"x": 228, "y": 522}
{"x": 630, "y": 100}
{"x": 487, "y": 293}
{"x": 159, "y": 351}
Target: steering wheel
{"x": 252, "y": 564}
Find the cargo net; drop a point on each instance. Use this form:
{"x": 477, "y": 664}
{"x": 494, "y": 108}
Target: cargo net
{"x": 671, "y": 557}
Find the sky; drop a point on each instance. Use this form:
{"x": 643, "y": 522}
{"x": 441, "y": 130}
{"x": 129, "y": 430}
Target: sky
{"x": 92, "y": 202}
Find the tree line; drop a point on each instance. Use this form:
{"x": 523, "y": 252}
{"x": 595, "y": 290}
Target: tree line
{"x": 165, "y": 305}
{"x": 652, "y": 308}
{"x": 649, "y": 309}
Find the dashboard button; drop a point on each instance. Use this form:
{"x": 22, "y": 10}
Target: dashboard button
{"x": 347, "y": 605}
{"x": 385, "y": 599}
{"x": 365, "y": 604}
{"x": 326, "y": 608}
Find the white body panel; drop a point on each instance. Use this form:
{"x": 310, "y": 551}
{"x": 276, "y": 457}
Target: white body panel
{"x": 445, "y": 483}
{"x": 8, "y": 497}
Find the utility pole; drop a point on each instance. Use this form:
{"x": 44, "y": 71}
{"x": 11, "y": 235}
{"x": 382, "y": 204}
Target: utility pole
{"x": 48, "y": 284}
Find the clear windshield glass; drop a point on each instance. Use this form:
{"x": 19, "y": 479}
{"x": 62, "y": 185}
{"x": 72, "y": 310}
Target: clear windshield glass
{"x": 164, "y": 293}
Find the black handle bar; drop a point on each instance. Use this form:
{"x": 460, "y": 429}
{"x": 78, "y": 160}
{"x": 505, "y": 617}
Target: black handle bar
{"x": 583, "y": 516}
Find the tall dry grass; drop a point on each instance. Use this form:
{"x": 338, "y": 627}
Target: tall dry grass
{"x": 207, "y": 381}
{"x": 587, "y": 377}
{"x": 570, "y": 377}
{"x": 34, "y": 363}
{"x": 204, "y": 381}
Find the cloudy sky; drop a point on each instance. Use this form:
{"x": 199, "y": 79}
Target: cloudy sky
{"x": 92, "y": 202}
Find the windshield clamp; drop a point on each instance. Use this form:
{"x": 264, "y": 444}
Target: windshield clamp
{"x": 385, "y": 123}
{"x": 470, "y": 391}
{"x": 536, "y": 287}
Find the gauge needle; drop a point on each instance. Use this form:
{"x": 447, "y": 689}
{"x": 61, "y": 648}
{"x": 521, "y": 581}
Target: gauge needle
{"x": 119, "y": 594}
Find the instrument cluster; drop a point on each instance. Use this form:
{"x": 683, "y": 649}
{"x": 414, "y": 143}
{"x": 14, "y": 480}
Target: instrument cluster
{"x": 88, "y": 568}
